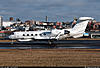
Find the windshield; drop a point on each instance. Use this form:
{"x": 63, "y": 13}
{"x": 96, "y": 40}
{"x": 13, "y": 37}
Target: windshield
{"x": 12, "y": 33}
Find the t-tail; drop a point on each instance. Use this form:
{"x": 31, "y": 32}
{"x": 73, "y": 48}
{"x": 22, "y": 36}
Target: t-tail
{"x": 79, "y": 29}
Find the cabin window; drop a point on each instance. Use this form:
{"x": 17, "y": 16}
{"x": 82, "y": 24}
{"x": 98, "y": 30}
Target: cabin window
{"x": 31, "y": 34}
{"x": 23, "y": 34}
{"x": 40, "y": 34}
{"x": 35, "y": 34}
{"x": 27, "y": 34}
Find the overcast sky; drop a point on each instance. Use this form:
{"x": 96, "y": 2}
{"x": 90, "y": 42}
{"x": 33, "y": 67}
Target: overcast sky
{"x": 56, "y": 10}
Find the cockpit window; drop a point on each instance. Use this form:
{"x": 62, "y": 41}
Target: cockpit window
{"x": 12, "y": 33}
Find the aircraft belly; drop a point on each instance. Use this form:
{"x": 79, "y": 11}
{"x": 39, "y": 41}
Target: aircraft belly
{"x": 64, "y": 36}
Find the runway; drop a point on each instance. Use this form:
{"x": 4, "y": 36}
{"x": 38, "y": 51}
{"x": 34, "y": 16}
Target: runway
{"x": 48, "y": 47}
{"x": 51, "y": 44}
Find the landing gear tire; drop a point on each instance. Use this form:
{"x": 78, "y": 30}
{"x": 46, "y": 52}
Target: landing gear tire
{"x": 51, "y": 43}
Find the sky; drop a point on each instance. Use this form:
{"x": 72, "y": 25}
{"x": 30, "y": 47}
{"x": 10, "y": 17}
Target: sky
{"x": 56, "y": 10}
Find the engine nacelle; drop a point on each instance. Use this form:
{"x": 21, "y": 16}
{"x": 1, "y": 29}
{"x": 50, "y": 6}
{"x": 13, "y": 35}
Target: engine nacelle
{"x": 66, "y": 32}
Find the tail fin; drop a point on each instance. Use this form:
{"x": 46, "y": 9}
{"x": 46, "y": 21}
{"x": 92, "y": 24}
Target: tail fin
{"x": 80, "y": 27}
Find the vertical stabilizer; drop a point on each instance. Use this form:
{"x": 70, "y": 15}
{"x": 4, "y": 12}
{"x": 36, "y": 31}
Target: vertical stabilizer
{"x": 80, "y": 27}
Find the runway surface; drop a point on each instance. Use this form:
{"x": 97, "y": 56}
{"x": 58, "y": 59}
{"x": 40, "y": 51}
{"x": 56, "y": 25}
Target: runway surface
{"x": 79, "y": 43}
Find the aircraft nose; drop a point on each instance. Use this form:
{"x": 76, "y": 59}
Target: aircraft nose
{"x": 11, "y": 37}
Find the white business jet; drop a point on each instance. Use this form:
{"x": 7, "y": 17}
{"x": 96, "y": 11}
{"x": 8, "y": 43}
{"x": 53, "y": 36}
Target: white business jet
{"x": 77, "y": 31}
